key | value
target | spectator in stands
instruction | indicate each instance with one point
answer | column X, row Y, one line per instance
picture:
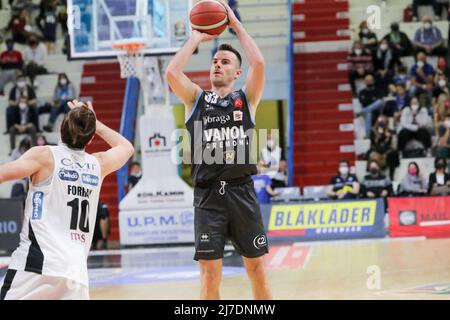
column 64, row 92
column 270, row 157
column 371, row 99
column 381, row 149
column 439, row 181
column 441, row 87
column 18, row 6
column 383, row 80
column 360, row 64
column 21, row 90
column 19, row 27
column 442, row 67
column 413, row 184
column 401, row 100
column 41, row 140
column 422, row 71
column 384, row 57
column 375, row 184
column 24, row 146
column 367, row 37
column 135, row 175
column 279, row 180
column 417, row 3
column 344, row 185
column 102, row 228
column 428, row 39
column 35, row 58
column 402, row 77
column 439, row 7
column 414, row 124
column 399, row 43
column 22, row 123
column 11, row 63
column 47, row 21
column 443, row 143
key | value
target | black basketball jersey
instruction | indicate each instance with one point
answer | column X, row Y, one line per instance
column 221, row 131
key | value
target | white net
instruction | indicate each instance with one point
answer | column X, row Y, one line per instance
column 131, row 60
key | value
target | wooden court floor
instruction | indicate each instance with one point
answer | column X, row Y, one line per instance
column 365, row 269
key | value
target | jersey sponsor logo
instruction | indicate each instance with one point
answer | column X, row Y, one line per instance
column 237, row 115
column 235, row 95
column 223, row 134
column 37, row 202
column 224, row 103
column 216, row 119
column 89, row 179
column 68, row 175
column 205, row 237
column 77, row 165
column 260, row 241
column 211, row 97
column 238, row 103
column 229, row 156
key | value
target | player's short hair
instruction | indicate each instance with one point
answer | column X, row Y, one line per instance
column 228, row 47
column 78, row 127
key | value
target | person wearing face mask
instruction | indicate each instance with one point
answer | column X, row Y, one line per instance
column 415, row 124
column 399, row 43
column 428, row 39
column 367, row 37
column 443, row 144
column 64, row 92
column 413, row 184
column 421, row 71
column 344, row 185
column 35, row 58
column 270, row 157
column 375, row 184
column 384, row 57
column 439, row 181
column 135, row 175
column 11, row 63
column 381, row 149
column 371, row 100
column 22, row 123
column 360, row 63
column 441, row 87
column 19, row 91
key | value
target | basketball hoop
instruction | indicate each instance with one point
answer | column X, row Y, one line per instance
column 131, row 58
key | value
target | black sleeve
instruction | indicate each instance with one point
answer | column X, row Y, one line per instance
column 11, row 94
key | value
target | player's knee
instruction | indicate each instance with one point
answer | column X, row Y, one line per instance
column 256, row 267
column 211, row 274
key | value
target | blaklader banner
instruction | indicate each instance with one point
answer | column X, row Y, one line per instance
column 327, row 220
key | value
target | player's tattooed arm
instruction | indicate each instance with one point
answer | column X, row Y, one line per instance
column 256, row 74
column 181, row 85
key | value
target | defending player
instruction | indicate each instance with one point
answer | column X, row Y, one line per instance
column 61, row 207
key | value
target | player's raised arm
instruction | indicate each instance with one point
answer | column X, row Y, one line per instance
column 121, row 149
column 256, row 74
column 27, row 165
column 181, row 85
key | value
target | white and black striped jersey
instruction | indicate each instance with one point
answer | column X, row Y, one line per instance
column 59, row 218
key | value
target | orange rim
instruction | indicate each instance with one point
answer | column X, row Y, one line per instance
column 131, row 47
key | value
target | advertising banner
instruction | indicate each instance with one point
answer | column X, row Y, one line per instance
column 419, row 216
column 157, row 226
column 11, row 215
column 328, row 220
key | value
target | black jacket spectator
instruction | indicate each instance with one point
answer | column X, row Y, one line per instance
column 399, row 43
column 439, row 181
column 375, row 184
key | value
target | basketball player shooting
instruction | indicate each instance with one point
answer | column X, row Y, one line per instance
column 61, row 207
column 224, row 197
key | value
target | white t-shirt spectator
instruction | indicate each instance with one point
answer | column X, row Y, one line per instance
column 271, row 157
column 38, row 55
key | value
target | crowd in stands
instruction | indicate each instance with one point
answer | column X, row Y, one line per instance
column 405, row 107
column 34, row 28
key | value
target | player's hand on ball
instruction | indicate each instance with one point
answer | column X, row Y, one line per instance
column 232, row 19
column 203, row 37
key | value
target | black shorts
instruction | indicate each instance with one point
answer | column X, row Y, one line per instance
column 233, row 215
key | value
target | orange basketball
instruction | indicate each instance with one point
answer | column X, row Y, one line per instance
column 209, row 16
